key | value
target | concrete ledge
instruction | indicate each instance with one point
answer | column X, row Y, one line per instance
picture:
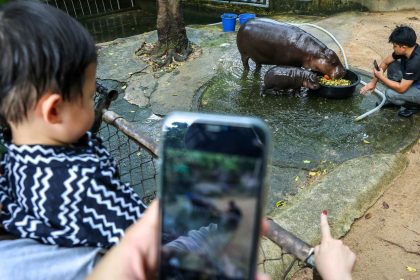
column 347, row 192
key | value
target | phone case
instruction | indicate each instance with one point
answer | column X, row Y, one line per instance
column 375, row 64
column 215, row 124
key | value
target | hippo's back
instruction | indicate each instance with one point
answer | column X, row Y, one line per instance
column 268, row 41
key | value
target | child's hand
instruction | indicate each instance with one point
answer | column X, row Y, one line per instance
column 334, row 260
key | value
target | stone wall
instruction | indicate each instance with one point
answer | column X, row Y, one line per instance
column 331, row 6
column 390, row 5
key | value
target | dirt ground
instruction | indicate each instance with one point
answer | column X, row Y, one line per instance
column 386, row 239
column 370, row 33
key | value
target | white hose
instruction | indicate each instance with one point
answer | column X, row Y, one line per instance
column 361, row 117
column 347, row 67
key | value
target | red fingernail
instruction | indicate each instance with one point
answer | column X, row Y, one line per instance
column 325, row 212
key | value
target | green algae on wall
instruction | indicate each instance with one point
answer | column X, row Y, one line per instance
column 309, row 7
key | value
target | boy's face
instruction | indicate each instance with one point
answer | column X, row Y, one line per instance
column 79, row 114
column 398, row 49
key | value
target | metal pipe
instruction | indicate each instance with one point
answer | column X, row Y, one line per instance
column 290, row 243
column 131, row 131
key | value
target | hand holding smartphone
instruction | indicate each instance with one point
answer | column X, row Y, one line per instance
column 375, row 64
column 213, row 172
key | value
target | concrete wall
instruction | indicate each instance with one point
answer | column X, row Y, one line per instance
column 390, row 5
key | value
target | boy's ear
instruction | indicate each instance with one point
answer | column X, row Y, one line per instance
column 50, row 107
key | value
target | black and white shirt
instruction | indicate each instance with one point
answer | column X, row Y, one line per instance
column 68, row 196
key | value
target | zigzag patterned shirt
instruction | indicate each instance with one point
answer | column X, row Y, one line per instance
column 67, row 196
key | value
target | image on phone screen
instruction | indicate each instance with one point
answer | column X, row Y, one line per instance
column 211, row 199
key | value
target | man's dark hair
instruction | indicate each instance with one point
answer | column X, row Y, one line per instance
column 404, row 36
column 42, row 48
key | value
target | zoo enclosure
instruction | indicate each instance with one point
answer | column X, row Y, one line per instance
column 136, row 155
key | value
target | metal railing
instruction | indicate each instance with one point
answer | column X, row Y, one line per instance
column 80, row 8
column 255, row 3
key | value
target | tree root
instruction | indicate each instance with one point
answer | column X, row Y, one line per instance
column 141, row 50
column 162, row 56
column 168, row 59
column 184, row 54
column 154, row 50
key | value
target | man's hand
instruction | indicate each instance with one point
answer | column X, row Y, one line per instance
column 368, row 87
column 378, row 74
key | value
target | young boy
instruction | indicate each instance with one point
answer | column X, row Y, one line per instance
column 58, row 184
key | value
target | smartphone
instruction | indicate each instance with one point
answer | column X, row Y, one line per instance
column 212, row 188
column 375, row 64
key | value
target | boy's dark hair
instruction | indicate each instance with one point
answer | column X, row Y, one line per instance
column 41, row 48
column 404, row 36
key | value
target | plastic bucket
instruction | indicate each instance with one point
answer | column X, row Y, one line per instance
column 245, row 17
column 229, row 22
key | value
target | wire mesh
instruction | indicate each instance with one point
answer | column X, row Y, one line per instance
column 137, row 165
column 276, row 262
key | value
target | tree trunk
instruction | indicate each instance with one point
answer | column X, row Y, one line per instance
column 172, row 36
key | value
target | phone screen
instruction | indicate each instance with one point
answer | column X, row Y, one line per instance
column 211, row 194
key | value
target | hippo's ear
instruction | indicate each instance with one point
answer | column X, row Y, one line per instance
column 331, row 57
column 314, row 78
column 329, row 52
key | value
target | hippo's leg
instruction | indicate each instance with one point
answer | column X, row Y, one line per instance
column 244, row 75
column 256, row 74
column 257, row 66
column 302, row 92
column 262, row 89
column 245, row 63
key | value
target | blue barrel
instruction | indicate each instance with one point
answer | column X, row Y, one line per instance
column 229, row 22
column 245, row 17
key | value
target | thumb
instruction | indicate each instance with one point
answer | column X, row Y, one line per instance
column 325, row 227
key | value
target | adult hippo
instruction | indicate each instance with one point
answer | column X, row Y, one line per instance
column 267, row 41
column 290, row 77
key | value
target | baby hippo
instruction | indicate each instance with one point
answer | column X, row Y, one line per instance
column 288, row 77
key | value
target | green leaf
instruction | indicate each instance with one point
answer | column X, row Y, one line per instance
column 410, row 269
column 280, row 203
